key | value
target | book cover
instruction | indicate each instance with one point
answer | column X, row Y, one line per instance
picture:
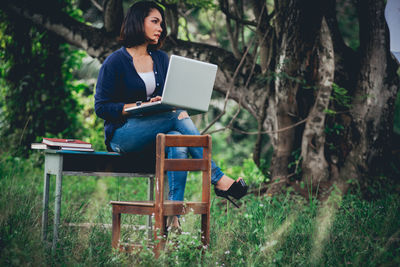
column 77, row 149
column 42, row 146
column 45, row 146
column 66, row 142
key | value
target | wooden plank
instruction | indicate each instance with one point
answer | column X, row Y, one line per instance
column 108, row 226
column 206, row 187
column 186, row 140
column 205, row 228
column 185, row 165
column 159, row 227
column 181, row 208
column 150, row 197
column 159, row 213
column 141, row 210
column 206, row 177
column 116, row 226
column 147, row 203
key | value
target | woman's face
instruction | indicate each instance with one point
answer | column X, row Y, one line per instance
column 152, row 26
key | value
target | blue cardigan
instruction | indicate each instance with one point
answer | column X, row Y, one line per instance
column 118, row 84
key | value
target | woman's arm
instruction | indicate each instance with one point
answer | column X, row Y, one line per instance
column 106, row 92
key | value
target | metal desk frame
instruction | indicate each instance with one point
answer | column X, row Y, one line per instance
column 77, row 163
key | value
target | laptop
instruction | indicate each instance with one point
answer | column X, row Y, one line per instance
column 188, row 85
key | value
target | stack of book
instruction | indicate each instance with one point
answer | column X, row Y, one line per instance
column 63, row 144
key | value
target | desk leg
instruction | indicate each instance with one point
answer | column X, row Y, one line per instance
column 57, row 208
column 150, row 196
column 45, row 212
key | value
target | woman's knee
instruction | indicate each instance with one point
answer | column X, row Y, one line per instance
column 183, row 115
column 184, row 124
column 177, row 152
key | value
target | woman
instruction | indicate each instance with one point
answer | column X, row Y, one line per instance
column 135, row 74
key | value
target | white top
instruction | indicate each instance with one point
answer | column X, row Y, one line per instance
column 149, row 80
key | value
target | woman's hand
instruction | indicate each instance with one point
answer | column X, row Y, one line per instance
column 154, row 99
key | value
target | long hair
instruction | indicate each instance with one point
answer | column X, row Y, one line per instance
column 132, row 29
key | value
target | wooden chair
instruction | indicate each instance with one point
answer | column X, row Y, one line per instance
column 162, row 208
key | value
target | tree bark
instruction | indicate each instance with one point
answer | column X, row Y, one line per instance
column 314, row 164
column 113, row 16
column 296, row 28
column 373, row 101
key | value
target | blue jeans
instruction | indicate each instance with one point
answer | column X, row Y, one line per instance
column 139, row 133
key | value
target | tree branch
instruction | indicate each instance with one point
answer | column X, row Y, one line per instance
column 172, row 18
column 263, row 132
column 97, row 5
column 113, row 16
column 345, row 57
column 232, row 82
column 95, row 41
column 229, row 15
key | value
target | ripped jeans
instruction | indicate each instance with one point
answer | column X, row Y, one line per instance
column 139, row 134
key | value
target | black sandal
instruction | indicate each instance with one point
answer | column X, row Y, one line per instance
column 237, row 190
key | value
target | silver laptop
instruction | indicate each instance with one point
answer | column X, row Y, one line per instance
column 188, row 85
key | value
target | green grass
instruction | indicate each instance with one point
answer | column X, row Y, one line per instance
column 283, row 230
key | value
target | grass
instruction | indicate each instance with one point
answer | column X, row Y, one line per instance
column 282, row 230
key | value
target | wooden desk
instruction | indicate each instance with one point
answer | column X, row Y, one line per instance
column 77, row 163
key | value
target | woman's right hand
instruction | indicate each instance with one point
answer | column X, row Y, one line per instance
column 124, row 113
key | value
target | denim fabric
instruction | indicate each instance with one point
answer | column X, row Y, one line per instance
column 139, row 133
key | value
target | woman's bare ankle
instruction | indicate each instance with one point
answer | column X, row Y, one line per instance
column 224, row 183
column 173, row 221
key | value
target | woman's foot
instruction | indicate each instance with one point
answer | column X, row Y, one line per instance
column 227, row 187
column 173, row 224
column 225, row 182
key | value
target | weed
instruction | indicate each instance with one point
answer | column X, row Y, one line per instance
column 283, row 230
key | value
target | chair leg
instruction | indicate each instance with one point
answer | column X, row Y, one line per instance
column 116, row 227
column 205, row 229
column 160, row 233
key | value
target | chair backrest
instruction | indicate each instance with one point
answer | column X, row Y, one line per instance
column 163, row 164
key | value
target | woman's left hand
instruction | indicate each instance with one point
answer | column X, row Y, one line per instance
column 155, row 99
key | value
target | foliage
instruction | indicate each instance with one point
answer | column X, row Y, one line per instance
column 396, row 125
column 36, row 100
column 71, row 8
column 340, row 97
column 265, row 231
column 348, row 23
column 193, row 3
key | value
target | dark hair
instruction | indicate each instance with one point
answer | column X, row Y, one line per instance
column 132, row 29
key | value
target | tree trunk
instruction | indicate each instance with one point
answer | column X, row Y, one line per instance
column 314, row 164
column 373, row 101
column 113, row 16
column 297, row 29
